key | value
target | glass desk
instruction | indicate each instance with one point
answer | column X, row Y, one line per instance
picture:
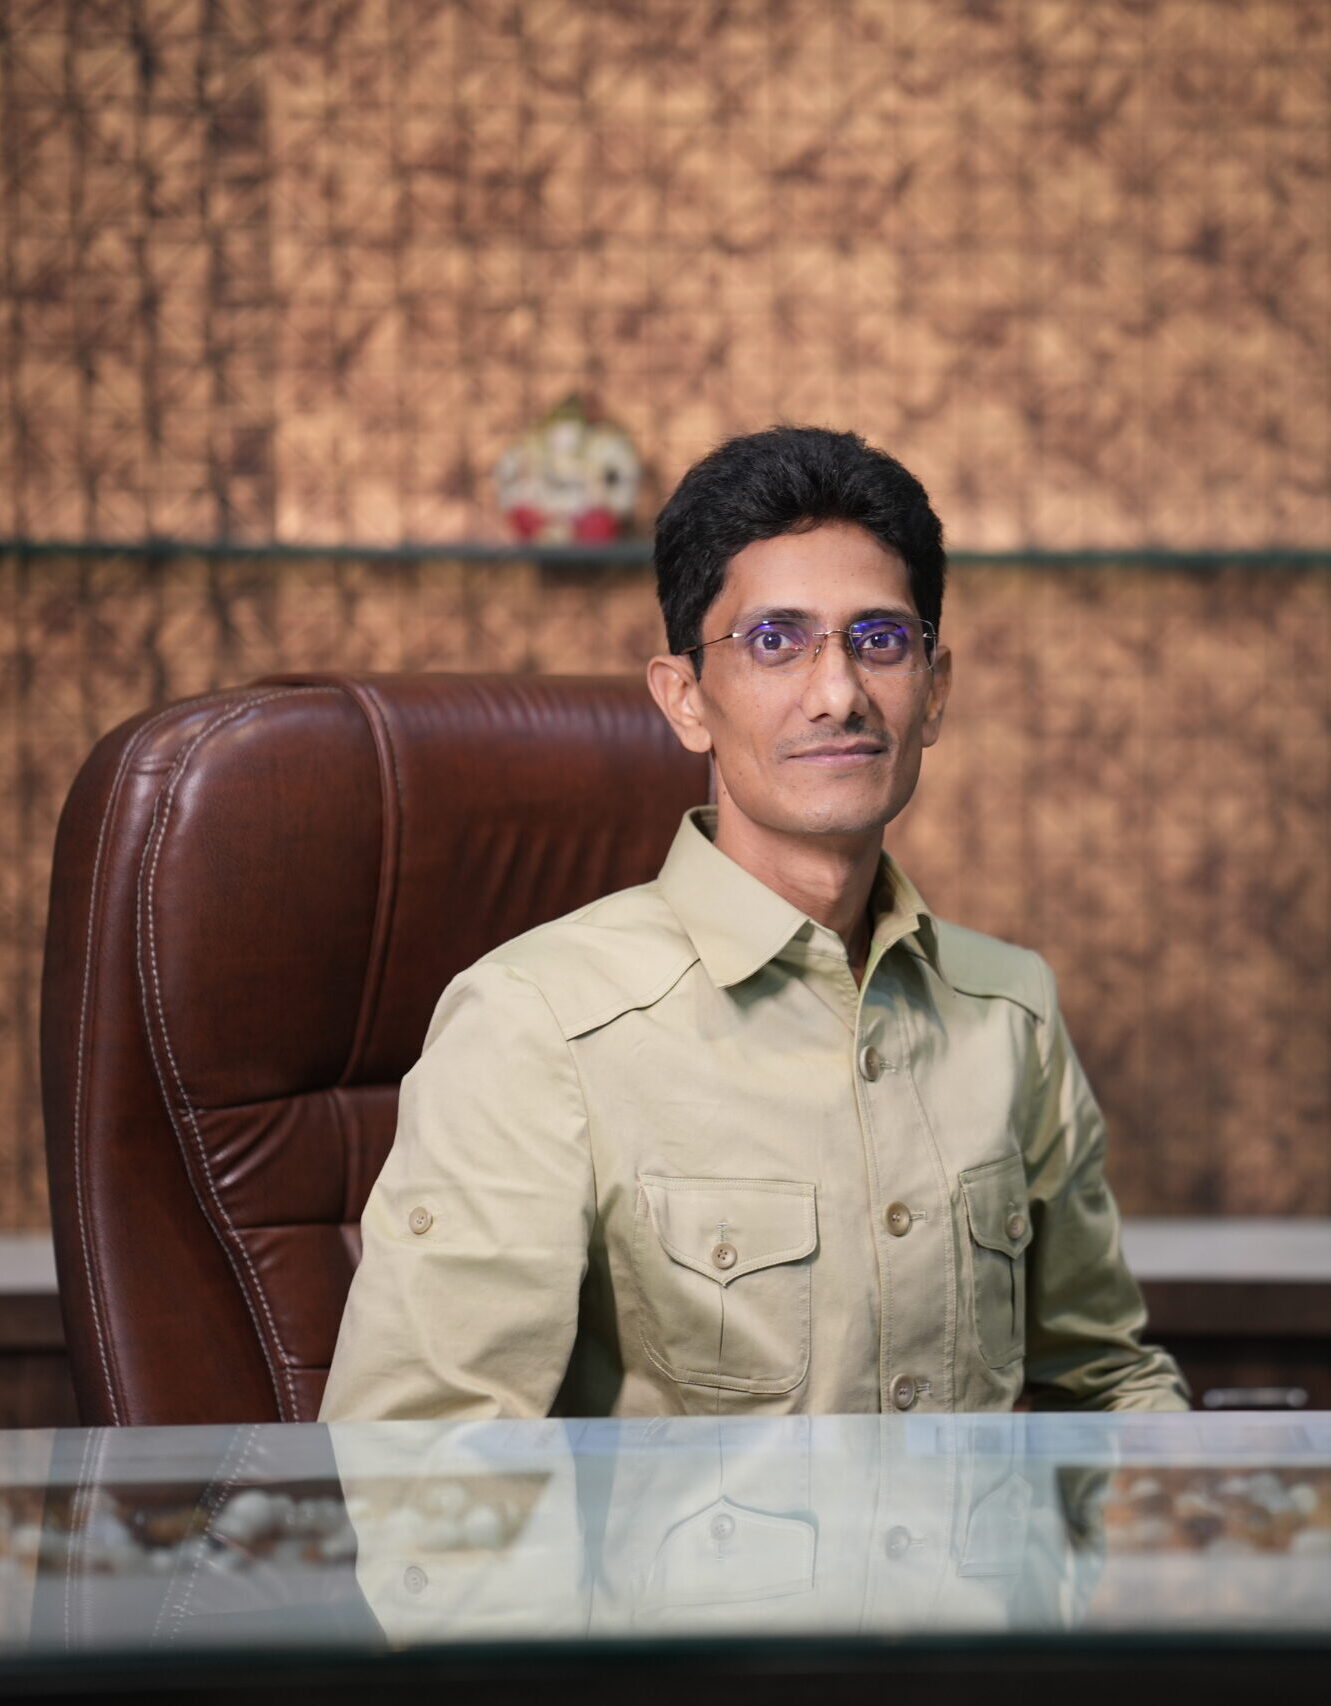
column 798, row 1556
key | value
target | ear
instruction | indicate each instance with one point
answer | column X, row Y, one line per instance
column 674, row 686
column 940, row 685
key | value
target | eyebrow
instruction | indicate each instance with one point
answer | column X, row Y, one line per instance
column 767, row 613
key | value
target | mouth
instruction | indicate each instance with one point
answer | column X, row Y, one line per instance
column 842, row 754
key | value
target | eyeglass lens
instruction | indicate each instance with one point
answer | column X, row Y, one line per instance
column 896, row 643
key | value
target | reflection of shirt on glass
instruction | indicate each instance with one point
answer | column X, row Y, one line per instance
column 664, row 1154
column 799, row 1526
column 790, row 1526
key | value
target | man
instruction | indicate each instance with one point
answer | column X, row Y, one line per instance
column 764, row 1135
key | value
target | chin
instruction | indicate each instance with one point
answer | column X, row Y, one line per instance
column 822, row 807
column 856, row 828
column 841, row 818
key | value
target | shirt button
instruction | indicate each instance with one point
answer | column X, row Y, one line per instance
column 722, row 1526
column 420, row 1220
column 871, row 1063
column 725, row 1256
column 898, row 1219
column 897, row 1542
column 1016, row 1225
column 414, row 1579
column 902, row 1391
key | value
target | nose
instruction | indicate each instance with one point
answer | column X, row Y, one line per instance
column 834, row 685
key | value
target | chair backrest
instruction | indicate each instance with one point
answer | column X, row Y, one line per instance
column 257, row 898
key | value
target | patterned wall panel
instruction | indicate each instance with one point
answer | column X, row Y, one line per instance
column 301, row 270
column 298, row 271
column 1135, row 778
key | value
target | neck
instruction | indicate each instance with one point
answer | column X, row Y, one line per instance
column 829, row 877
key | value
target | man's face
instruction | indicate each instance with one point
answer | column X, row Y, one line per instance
column 832, row 747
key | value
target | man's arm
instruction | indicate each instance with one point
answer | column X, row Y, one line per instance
column 1084, row 1313
column 475, row 1235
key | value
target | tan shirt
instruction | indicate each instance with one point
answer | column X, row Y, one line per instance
column 664, row 1156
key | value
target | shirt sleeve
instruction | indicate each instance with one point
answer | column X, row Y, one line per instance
column 475, row 1235
column 1085, row 1313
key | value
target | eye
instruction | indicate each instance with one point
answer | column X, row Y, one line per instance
column 771, row 643
column 882, row 642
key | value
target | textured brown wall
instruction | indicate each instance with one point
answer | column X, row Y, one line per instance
column 300, row 270
column 1135, row 778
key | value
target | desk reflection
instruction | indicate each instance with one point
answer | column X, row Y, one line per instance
column 689, row 1527
column 413, row 1534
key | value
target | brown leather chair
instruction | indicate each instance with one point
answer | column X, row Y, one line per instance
column 257, row 898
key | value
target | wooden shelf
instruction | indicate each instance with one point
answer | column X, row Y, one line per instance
column 630, row 553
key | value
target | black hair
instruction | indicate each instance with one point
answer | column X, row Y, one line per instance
column 787, row 479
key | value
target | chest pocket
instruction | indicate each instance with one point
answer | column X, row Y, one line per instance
column 1000, row 1226
column 723, row 1276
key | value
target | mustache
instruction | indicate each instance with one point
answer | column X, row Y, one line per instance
column 861, row 741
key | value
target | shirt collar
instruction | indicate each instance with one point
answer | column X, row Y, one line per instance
column 738, row 924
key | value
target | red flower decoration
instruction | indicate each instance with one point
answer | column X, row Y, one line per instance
column 595, row 527
column 526, row 521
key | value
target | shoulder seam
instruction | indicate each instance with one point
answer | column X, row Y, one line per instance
column 1021, row 988
column 626, row 1003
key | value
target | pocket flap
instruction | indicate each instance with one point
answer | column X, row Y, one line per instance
column 751, row 1223
column 997, row 1205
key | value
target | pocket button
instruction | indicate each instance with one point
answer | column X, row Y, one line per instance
column 1016, row 1225
column 725, row 1256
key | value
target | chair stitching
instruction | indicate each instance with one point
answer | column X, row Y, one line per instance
column 171, row 1617
column 371, row 708
column 91, row 1458
column 232, row 1243
column 399, row 802
column 105, row 1353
